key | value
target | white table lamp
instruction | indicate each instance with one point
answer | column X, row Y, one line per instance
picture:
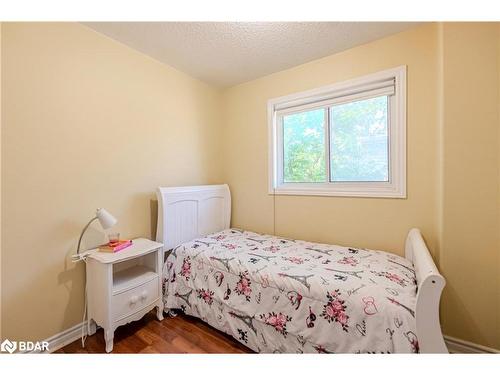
column 105, row 219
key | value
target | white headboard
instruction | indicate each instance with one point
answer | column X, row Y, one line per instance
column 188, row 212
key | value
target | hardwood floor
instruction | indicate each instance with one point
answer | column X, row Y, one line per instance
column 182, row 334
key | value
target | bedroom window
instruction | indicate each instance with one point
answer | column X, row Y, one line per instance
column 348, row 139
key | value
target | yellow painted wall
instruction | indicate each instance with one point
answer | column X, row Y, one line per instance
column 470, row 198
column 86, row 123
column 453, row 164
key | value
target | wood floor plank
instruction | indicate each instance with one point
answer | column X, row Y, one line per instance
column 163, row 346
column 181, row 334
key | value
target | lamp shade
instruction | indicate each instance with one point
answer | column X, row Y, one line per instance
column 105, row 218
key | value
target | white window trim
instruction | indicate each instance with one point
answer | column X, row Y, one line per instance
column 394, row 188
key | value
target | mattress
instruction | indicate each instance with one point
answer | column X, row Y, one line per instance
column 279, row 295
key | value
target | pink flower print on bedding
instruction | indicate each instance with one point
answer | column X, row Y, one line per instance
column 351, row 261
column 206, row 295
column 334, row 310
column 243, row 286
column 186, row 268
column 278, row 321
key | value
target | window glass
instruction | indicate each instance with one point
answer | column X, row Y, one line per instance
column 304, row 150
column 359, row 141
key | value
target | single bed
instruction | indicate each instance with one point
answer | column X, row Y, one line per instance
column 283, row 295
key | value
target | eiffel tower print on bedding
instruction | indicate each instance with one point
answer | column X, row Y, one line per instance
column 276, row 295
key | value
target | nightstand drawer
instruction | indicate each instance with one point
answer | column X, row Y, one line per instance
column 135, row 299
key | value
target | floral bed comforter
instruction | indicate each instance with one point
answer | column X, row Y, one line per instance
column 279, row 295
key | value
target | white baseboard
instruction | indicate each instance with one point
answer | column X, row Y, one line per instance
column 460, row 346
column 64, row 338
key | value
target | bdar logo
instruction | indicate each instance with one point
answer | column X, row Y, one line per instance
column 8, row 346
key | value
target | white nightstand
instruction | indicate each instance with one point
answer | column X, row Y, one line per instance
column 124, row 286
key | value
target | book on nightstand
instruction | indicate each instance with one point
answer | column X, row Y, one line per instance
column 115, row 247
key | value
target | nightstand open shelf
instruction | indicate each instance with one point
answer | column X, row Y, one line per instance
column 132, row 277
column 133, row 272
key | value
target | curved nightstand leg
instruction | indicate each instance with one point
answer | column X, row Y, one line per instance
column 159, row 312
column 108, row 337
column 92, row 327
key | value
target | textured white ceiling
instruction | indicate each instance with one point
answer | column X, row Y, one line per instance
column 228, row 53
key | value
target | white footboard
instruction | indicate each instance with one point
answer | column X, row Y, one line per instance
column 430, row 285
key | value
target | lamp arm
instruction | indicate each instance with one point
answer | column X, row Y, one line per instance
column 83, row 232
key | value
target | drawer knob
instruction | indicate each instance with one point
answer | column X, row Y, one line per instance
column 133, row 300
column 144, row 295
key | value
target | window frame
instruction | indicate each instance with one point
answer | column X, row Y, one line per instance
column 322, row 97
